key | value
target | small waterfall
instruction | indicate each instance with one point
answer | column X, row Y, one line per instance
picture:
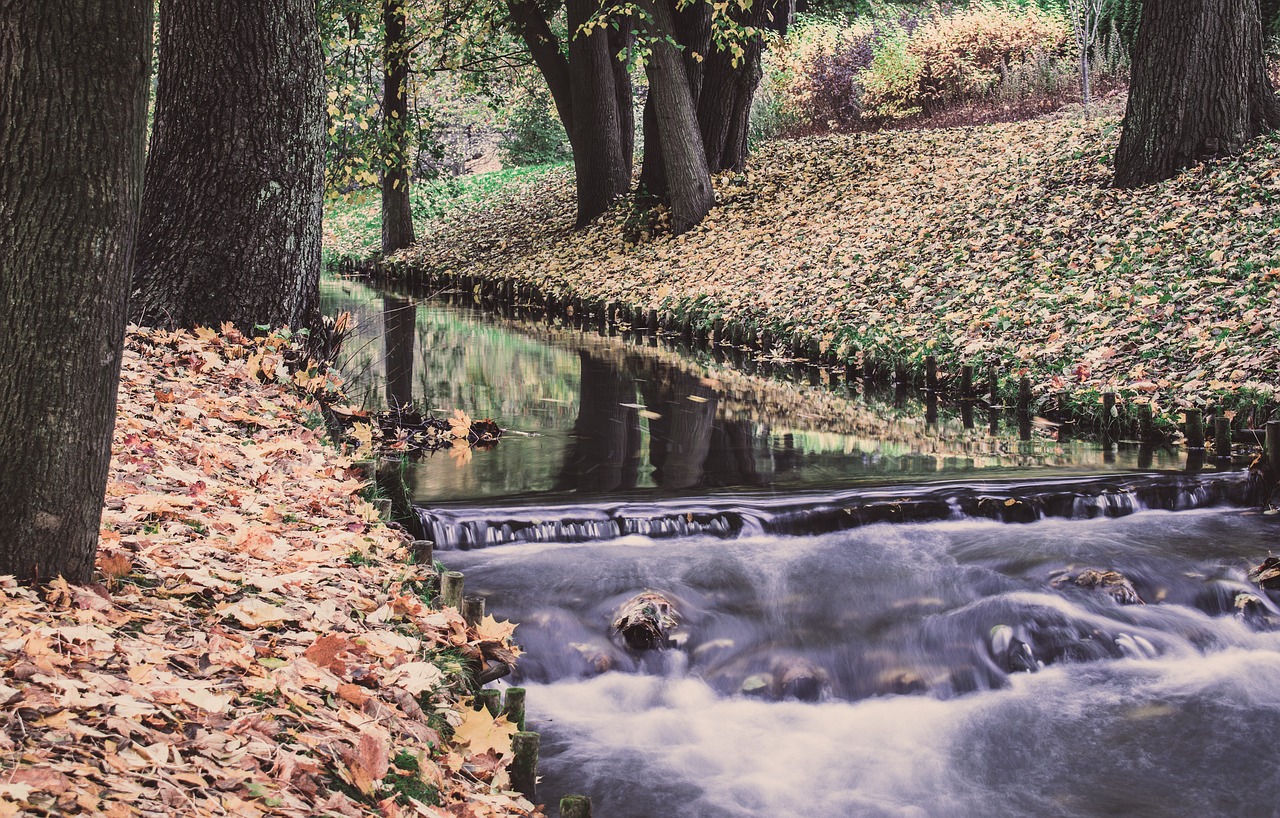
column 807, row 514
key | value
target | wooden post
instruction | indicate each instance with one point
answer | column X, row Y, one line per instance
column 513, row 707
column 451, row 589
column 1024, row 398
column 424, row 552
column 1222, row 436
column 473, row 609
column 1144, row 422
column 490, row 700
column 931, row 373
column 524, row 764
column 1195, row 429
column 383, row 505
column 1273, row 446
column 1108, row 414
column 575, row 806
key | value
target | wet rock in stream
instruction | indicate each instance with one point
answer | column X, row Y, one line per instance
column 646, row 621
column 1113, row 583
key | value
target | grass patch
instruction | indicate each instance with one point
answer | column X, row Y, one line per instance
column 353, row 221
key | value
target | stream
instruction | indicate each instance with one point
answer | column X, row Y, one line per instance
column 878, row 616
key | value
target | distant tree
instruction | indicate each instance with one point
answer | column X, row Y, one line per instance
column 1199, row 87
column 1085, row 17
column 73, row 110
column 397, row 215
column 235, row 174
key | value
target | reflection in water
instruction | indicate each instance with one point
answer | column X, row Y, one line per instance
column 605, row 453
column 596, row 414
column 399, row 321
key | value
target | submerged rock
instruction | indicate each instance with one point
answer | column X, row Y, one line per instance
column 646, row 621
column 1112, row 583
column 799, row 679
column 1266, row 575
column 1011, row 654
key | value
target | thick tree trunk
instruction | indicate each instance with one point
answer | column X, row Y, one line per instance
column 235, row 174
column 73, row 108
column 619, row 41
column 693, row 32
column 724, row 109
column 724, row 106
column 1199, row 87
column 653, row 172
column 397, row 216
column 544, row 47
column 599, row 159
column 689, row 192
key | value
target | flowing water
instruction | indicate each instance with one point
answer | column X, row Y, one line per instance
column 878, row 617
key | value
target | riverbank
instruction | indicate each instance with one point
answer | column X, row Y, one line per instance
column 260, row 643
column 999, row 243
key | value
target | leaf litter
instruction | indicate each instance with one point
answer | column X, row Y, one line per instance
column 1000, row 242
column 259, row 643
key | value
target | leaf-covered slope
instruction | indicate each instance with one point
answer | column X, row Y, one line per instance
column 1000, row 241
column 261, row 646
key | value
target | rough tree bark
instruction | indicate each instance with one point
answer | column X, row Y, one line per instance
column 599, row 159
column 73, row 109
column 724, row 106
column 1199, row 87
column 235, row 174
column 684, row 161
column 693, row 32
column 397, row 216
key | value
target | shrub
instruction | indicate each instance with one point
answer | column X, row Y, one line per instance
column 964, row 56
column 891, row 87
column 835, row 86
column 534, row 136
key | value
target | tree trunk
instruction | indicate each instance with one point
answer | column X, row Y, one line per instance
column 724, row 107
column 544, row 47
column 684, row 161
column 397, row 216
column 231, row 213
column 620, row 41
column 74, row 77
column 653, row 173
column 693, row 32
column 1199, row 88
column 599, row 161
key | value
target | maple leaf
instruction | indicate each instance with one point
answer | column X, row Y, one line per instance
column 460, row 424
column 491, row 630
column 326, row 650
column 416, row 677
column 481, row 733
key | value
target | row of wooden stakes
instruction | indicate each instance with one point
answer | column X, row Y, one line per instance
column 525, row 743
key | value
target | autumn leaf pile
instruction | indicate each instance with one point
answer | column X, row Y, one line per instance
column 1000, row 242
column 259, row 643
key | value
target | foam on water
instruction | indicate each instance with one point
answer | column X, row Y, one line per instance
column 1187, row 735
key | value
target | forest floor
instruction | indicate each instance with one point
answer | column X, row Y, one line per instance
column 997, row 243
column 260, row 643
